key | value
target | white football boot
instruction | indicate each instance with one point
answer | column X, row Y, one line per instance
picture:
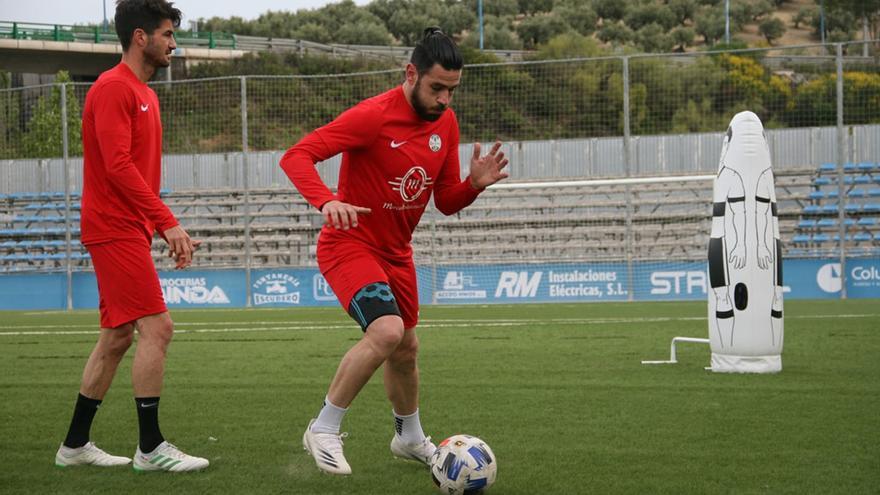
column 88, row 454
column 326, row 448
column 420, row 452
column 167, row 457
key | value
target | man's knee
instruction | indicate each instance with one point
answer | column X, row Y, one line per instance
column 406, row 353
column 116, row 341
column 157, row 329
column 385, row 334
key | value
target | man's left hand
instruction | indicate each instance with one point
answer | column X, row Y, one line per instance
column 489, row 169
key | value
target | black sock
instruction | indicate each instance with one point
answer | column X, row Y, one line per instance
column 148, row 422
column 83, row 414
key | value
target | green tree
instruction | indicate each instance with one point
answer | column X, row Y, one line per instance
column 804, row 16
column 760, row 9
column 610, row 10
column 568, row 45
column 457, row 18
column 644, row 14
column 536, row 30
column 495, row 7
column 582, row 19
column 534, row 6
column 496, row 36
column 311, row 31
column 43, row 138
column 836, row 19
column 408, row 27
column 683, row 9
column 709, row 23
column 772, row 28
column 615, row 33
column 363, row 34
column 653, row 38
column 683, row 37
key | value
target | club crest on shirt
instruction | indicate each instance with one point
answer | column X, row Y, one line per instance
column 413, row 183
column 434, row 142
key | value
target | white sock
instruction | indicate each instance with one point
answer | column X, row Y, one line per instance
column 329, row 419
column 409, row 428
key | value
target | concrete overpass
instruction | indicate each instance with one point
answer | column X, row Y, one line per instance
column 89, row 59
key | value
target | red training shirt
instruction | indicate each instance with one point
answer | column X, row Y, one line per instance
column 392, row 161
column 122, row 160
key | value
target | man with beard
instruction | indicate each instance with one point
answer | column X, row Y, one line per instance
column 121, row 209
column 397, row 148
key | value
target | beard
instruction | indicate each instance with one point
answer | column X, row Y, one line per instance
column 431, row 114
column 155, row 56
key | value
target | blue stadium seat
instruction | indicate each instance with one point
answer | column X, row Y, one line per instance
column 862, row 236
column 817, row 194
column 852, row 208
column 56, row 243
column 857, row 193
column 874, row 192
column 828, row 167
column 867, row 221
column 821, row 238
column 15, row 257
column 806, row 224
column 812, row 209
column 832, row 208
column 822, row 181
column 866, row 166
column 800, row 239
column 8, row 244
column 827, row 222
column 872, row 208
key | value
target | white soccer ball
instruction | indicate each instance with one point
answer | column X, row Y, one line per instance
column 463, row 465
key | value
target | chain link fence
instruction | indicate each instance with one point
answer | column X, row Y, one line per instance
column 606, row 117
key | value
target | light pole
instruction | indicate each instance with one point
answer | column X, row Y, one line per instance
column 480, row 16
column 727, row 21
column 106, row 25
column 822, row 20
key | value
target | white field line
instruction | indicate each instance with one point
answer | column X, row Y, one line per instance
column 263, row 326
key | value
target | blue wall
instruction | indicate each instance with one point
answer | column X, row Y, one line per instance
column 456, row 284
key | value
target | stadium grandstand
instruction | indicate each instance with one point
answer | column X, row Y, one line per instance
column 579, row 194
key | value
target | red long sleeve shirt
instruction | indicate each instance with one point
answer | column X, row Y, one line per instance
column 392, row 161
column 122, row 160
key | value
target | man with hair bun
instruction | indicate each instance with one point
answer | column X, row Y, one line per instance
column 397, row 149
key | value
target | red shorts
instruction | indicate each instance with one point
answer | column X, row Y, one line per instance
column 349, row 266
column 128, row 284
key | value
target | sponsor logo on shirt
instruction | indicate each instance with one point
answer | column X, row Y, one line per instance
column 435, row 143
column 395, row 144
column 413, row 183
column 145, row 107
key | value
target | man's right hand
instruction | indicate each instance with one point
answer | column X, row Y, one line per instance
column 180, row 246
column 341, row 215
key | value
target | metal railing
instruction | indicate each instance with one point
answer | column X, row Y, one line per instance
column 96, row 34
